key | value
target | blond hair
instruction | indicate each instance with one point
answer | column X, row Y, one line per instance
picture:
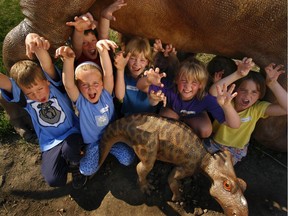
column 138, row 45
column 26, row 72
column 193, row 69
column 85, row 66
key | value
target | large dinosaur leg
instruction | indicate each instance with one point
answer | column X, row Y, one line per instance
column 147, row 155
column 174, row 177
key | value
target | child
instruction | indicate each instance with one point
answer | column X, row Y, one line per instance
column 187, row 99
column 250, row 88
column 138, row 59
column 165, row 59
column 220, row 67
column 92, row 95
column 39, row 90
column 84, row 38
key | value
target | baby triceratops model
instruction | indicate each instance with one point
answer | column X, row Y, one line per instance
column 157, row 138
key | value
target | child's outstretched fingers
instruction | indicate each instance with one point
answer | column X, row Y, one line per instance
column 64, row 52
column 273, row 71
column 108, row 12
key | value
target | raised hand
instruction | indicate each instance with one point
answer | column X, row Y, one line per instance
column 244, row 66
column 107, row 13
column 120, row 61
column 65, row 52
column 33, row 42
column 224, row 95
column 154, row 77
column 157, row 46
column 156, row 97
column 106, row 44
column 169, row 49
column 82, row 23
column 273, row 71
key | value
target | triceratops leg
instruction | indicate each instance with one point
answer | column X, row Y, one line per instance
column 177, row 174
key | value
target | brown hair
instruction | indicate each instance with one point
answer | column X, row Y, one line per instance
column 26, row 72
column 257, row 78
column 193, row 69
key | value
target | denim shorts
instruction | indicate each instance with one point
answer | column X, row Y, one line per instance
column 237, row 154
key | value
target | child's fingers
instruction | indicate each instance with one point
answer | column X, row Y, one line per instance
column 233, row 95
column 231, row 89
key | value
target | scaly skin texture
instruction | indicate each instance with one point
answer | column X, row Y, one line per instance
column 232, row 28
column 157, row 138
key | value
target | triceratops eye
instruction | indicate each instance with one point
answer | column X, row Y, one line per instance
column 227, row 185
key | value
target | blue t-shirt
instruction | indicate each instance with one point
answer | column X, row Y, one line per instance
column 135, row 101
column 53, row 120
column 94, row 118
column 192, row 107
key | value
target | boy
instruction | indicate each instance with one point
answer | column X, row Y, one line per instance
column 92, row 95
column 38, row 90
column 84, row 36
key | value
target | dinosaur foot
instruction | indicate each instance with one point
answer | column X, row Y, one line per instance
column 176, row 197
column 147, row 188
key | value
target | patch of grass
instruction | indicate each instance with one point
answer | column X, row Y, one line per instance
column 6, row 128
column 11, row 15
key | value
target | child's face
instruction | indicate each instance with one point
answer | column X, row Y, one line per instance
column 89, row 46
column 90, row 84
column 247, row 95
column 137, row 64
column 39, row 91
column 187, row 89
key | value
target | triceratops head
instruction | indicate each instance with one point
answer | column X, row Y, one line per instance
column 226, row 188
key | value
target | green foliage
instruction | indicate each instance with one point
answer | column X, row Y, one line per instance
column 6, row 128
column 10, row 17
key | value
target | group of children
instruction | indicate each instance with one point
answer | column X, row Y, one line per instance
column 186, row 92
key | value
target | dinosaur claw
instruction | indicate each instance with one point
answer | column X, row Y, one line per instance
column 147, row 188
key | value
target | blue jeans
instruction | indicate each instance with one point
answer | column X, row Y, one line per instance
column 89, row 163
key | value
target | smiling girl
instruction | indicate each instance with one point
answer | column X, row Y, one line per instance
column 187, row 99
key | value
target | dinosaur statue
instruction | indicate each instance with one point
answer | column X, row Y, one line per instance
column 156, row 138
column 232, row 28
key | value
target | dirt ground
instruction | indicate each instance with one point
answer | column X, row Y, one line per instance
column 114, row 189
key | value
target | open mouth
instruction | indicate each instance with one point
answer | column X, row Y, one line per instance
column 92, row 52
column 245, row 102
column 92, row 96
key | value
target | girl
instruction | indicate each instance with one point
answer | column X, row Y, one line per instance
column 250, row 88
column 187, row 100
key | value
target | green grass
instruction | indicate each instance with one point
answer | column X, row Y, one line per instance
column 10, row 17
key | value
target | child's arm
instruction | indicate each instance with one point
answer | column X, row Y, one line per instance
column 106, row 16
column 156, row 97
column 82, row 23
column 243, row 68
column 68, row 56
column 40, row 46
column 224, row 98
column 152, row 77
column 5, row 83
column 273, row 71
column 103, row 46
column 120, row 63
